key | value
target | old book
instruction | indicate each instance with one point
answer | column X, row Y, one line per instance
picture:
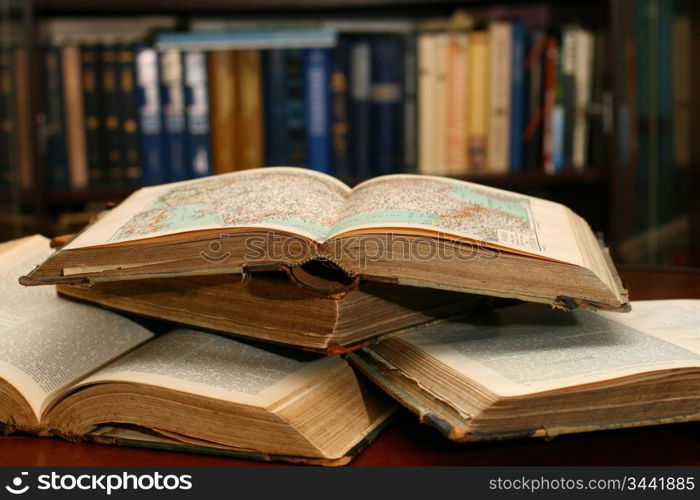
column 404, row 229
column 456, row 96
column 84, row 373
column 75, row 117
column 222, row 95
column 478, row 100
column 305, row 318
column 23, row 117
column 427, row 101
column 250, row 109
column 528, row 371
column 500, row 56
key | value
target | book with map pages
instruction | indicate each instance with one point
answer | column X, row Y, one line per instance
column 527, row 371
column 304, row 318
column 404, row 229
column 84, row 373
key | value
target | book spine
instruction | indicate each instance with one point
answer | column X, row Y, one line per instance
column 222, row 78
column 427, row 139
column 111, row 118
column 457, row 163
column 500, row 65
column 583, row 82
column 276, row 91
column 410, row 105
column 550, row 82
column 567, row 93
column 600, row 108
column 154, row 161
column 317, row 76
column 559, row 113
column 517, row 98
column 131, row 158
column 534, row 118
column 340, row 126
column 197, row 105
column 250, row 108
column 296, row 109
column 91, row 86
column 75, row 117
column 387, row 76
column 361, row 119
column 173, row 104
column 439, row 166
column 478, row 100
column 23, row 119
column 56, row 153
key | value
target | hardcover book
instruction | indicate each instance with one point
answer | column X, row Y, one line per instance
column 528, row 371
column 403, row 229
column 83, row 373
column 332, row 323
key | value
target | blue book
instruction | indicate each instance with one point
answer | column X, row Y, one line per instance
column 317, row 75
column 386, row 108
column 197, row 106
column 296, row 110
column 276, row 85
column 174, row 118
column 360, row 108
column 56, row 152
column 154, row 160
column 517, row 98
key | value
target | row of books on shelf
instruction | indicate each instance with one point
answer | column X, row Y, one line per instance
column 123, row 108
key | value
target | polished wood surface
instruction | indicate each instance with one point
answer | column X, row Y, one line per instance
column 406, row 442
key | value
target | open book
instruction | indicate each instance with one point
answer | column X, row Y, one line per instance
column 82, row 372
column 526, row 371
column 407, row 229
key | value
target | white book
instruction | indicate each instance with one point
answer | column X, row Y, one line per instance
column 500, row 57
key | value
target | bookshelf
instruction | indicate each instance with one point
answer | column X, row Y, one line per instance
column 600, row 192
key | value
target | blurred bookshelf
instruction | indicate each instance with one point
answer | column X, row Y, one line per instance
column 626, row 178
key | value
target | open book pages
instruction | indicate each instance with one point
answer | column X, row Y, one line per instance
column 530, row 348
column 408, row 229
column 583, row 370
column 319, row 207
column 68, row 368
column 49, row 343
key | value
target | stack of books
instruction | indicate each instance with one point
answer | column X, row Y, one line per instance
column 298, row 311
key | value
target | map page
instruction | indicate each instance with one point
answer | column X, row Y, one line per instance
column 289, row 199
column 461, row 209
column 319, row 207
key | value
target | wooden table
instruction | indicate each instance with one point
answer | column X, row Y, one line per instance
column 406, row 442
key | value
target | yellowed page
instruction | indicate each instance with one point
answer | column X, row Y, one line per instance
column 48, row 343
column 289, row 199
column 531, row 348
column 461, row 210
column 217, row 367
